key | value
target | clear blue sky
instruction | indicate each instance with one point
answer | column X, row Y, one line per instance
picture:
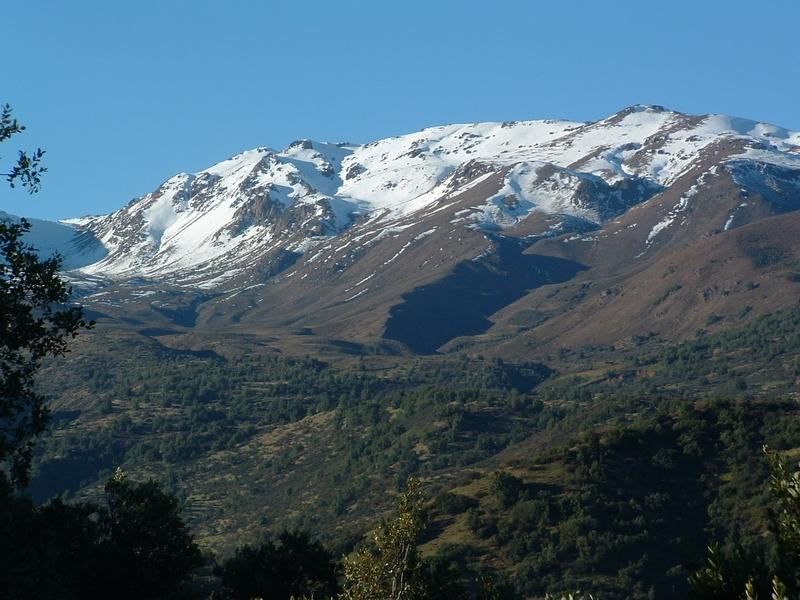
column 124, row 94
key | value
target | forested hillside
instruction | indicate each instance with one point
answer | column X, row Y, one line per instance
column 610, row 471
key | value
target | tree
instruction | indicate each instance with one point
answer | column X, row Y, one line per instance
column 49, row 551
column 784, row 483
column 28, row 169
column 291, row 566
column 34, row 319
column 147, row 549
column 135, row 547
column 736, row 575
column 390, row 568
column 506, row 488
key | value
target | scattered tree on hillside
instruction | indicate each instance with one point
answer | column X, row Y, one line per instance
column 506, row 488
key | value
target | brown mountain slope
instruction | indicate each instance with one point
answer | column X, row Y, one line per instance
column 724, row 279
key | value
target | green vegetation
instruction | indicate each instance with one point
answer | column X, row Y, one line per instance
column 614, row 482
column 389, row 565
column 355, row 429
column 634, row 506
column 625, row 511
column 743, row 569
column 391, row 569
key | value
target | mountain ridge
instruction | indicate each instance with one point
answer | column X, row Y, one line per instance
column 340, row 239
column 287, row 180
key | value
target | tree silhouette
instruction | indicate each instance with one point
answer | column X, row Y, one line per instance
column 291, row 566
column 147, row 550
column 34, row 321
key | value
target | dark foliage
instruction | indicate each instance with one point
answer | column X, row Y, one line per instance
column 28, row 168
column 136, row 547
column 292, row 565
column 35, row 323
column 147, row 551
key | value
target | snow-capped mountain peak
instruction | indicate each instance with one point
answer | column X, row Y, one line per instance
column 212, row 225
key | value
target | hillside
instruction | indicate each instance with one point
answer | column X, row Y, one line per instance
column 255, row 442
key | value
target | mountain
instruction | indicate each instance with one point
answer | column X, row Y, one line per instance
column 603, row 315
column 78, row 248
column 525, row 234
